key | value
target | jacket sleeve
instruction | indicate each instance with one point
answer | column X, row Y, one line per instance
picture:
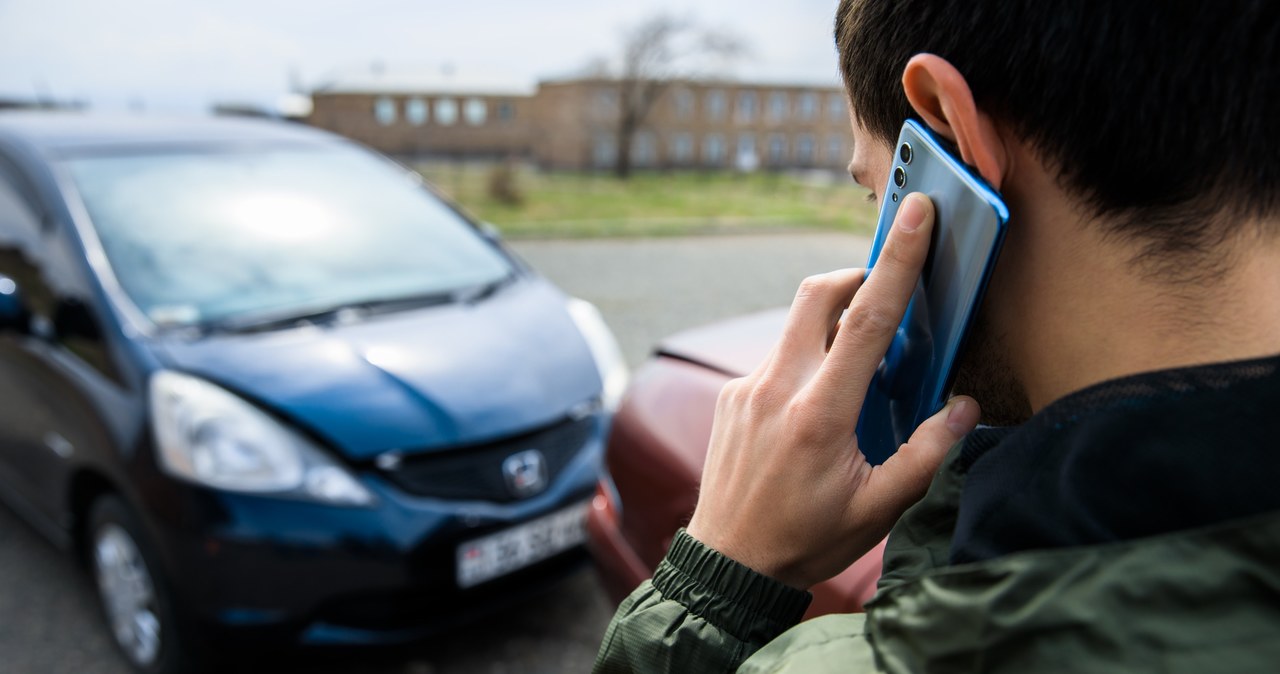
column 832, row 643
column 701, row 612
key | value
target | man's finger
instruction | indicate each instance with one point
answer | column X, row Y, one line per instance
column 814, row 312
column 875, row 312
column 902, row 480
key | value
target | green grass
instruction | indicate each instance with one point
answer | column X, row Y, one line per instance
column 656, row 203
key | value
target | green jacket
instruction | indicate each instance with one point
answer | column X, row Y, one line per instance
column 1206, row 600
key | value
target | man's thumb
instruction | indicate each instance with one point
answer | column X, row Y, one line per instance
column 904, row 478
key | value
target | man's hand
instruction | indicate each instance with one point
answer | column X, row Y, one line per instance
column 785, row 489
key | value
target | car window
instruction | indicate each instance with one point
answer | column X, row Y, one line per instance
column 19, row 218
column 45, row 267
column 21, row 255
column 205, row 236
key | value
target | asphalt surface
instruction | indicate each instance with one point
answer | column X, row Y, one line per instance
column 650, row 288
column 646, row 289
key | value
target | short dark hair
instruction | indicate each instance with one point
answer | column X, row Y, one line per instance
column 1163, row 115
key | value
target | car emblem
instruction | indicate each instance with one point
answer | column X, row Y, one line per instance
column 388, row 460
column 526, row 473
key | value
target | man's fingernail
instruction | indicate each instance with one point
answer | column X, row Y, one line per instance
column 912, row 213
column 958, row 419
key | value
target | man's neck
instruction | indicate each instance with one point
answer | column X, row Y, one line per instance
column 1123, row 324
column 1085, row 313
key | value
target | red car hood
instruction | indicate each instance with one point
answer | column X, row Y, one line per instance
column 734, row 347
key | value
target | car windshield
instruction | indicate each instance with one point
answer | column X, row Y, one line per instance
column 200, row 237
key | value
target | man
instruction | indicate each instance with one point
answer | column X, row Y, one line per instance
column 1132, row 520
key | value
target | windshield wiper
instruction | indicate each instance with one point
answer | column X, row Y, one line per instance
column 276, row 319
column 342, row 312
column 484, row 291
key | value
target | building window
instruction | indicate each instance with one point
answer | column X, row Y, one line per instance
column 682, row 148
column 836, row 150
column 746, row 106
column 606, row 102
column 837, row 108
column 713, row 149
column 716, row 104
column 777, row 149
column 446, row 112
column 682, row 100
column 415, row 110
column 476, row 111
column 384, row 110
column 746, row 159
column 779, row 101
column 808, row 106
column 804, row 150
column 506, row 111
column 604, row 151
column 644, row 149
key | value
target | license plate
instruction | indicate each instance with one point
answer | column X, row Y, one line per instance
column 498, row 554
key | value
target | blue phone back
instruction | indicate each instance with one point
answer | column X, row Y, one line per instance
column 917, row 373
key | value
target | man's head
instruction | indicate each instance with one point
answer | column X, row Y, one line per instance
column 1154, row 113
column 1158, row 123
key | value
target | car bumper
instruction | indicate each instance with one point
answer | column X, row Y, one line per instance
column 616, row 561
column 252, row 566
column 654, row 460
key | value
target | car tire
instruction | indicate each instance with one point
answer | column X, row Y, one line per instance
column 135, row 597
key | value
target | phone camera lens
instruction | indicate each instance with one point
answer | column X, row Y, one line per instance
column 904, row 153
column 900, row 177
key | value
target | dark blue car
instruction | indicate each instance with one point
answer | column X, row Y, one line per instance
column 273, row 388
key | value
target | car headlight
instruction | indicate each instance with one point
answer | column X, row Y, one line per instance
column 210, row 436
column 604, row 349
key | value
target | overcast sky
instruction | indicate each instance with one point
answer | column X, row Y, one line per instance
column 183, row 55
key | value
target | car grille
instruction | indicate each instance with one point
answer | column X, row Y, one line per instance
column 476, row 472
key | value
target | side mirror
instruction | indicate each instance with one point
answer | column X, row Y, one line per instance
column 14, row 314
column 73, row 318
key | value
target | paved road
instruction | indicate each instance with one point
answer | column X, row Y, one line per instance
column 650, row 288
column 49, row 622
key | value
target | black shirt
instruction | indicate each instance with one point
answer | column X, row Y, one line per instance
column 1139, row 456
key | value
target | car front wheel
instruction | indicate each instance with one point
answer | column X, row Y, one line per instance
column 134, row 598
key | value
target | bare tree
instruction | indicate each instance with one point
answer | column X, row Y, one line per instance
column 655, row 53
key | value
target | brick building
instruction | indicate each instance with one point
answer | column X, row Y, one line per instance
column 415, row 114
column 571, row 124
column 696, row 125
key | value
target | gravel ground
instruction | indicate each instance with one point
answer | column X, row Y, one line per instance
column 646, row 289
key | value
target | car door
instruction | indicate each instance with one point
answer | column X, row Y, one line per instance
column 57, row 376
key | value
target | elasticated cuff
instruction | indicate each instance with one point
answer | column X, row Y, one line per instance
column 752, row 607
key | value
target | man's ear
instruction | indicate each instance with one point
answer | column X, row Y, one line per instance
column 941, row 96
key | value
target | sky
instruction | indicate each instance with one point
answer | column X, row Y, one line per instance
column 184, row 55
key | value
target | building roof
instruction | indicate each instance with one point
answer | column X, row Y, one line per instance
column 379, row 79
column 715, row 83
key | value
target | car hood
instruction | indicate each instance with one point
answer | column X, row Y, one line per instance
column 431, row 378
column 734, row 347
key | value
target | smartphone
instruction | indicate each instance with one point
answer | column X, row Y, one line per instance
column 916, row 375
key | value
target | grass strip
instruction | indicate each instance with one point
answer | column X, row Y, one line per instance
column 674, row 203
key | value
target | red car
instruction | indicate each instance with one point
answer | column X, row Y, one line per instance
column 657, row 448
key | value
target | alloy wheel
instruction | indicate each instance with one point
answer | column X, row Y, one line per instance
column 128, row 593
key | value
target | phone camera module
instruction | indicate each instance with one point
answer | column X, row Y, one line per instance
column 904, row 153
column 900, row 177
